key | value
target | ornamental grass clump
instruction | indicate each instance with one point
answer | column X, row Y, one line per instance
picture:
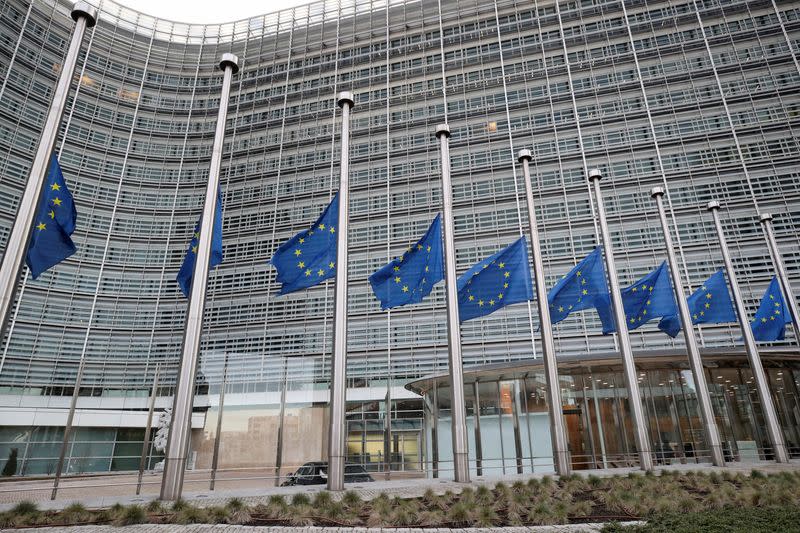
column 218, row 514
column 75, row 513
column 130, row 515
column 191, row 515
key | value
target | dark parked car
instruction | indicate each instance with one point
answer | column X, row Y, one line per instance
column 316, row 473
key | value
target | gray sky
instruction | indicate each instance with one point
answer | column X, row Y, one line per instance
column 208, row 11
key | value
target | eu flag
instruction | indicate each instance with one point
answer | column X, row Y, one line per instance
column 772, row 316
column 409, row 278
column 186, row 272
column 650, row 297
column 584, row 287
column 710, row 304
column 499, row 280
column 51, row 240
column 309, row 257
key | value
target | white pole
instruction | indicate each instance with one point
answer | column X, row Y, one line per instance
column 458, row 408
column 760, row 378
column 701, row 386
column 628, row 365
column 337, row 430
column 558, row 435
column 180, row 431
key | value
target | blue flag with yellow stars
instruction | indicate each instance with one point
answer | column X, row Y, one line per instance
column 309, row 257
column 650, row 297
column 409, row 278
column 186, row 272
column 584, row 287
column 772, row 316
column 51, row 240
column 499, row 280
column 710, row 304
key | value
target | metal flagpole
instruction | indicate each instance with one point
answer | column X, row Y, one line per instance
column 217, row 437
column 84, row 16
column 558, row 435
column 783, row 278
column 68, row 428
column 146, row 443
column 458, row 409
column 281, row 417
column 629, row 366
column 695, row 361
column 180, row 430
column 337, row 430
column 768, row 407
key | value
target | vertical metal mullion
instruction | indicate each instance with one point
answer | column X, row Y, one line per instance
column 659, row 160
column 16, row 48
column 387, row 446
column 512, row 159
column 723, row 97
column 82, row 360
column 160, row 290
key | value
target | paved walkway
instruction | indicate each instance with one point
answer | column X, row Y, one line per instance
column 199, row 528
column 106, row 490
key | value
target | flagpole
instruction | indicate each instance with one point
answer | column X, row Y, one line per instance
column 777, row 261
column 146, row 444
column 628, row 364
column 215, row 457
column 337, row 429
column 458, row 408
column 180, row 431
column 695, row 361
column 84, row 16
column 68, row 427
column 760, row 378
column 558, row 436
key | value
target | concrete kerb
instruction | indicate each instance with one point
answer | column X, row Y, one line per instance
column 224, row 528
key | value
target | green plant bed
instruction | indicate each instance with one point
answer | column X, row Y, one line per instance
column 663, row 501
column 784, row 519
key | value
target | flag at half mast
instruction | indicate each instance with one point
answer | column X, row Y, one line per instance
column 499, row 280
column 309, row 257
column 409, row 278
column 51, row 238
column 186, row 273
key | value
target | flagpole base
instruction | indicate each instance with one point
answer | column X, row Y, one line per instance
column 781, row 455
column 563, row 464
column 172, row 480
column 645, row 461
column 461, row 466
column 717, row 455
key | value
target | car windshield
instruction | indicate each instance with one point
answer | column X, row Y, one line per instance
column 353, row 469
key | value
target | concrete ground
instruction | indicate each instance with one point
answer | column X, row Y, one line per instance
column 106, row 490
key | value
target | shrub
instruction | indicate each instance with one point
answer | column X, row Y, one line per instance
column 300, row 499
column 75, row 513
column 192, row 515
column 154, row 507
column 25, row 507
column 133, row 514
column 179, row 505
column 352, row 499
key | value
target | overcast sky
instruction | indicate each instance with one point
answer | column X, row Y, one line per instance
column 208, row 11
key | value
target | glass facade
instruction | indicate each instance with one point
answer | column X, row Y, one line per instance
column 700, row 96
column 508, row 416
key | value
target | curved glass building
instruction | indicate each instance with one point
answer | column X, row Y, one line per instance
column 700, row 96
